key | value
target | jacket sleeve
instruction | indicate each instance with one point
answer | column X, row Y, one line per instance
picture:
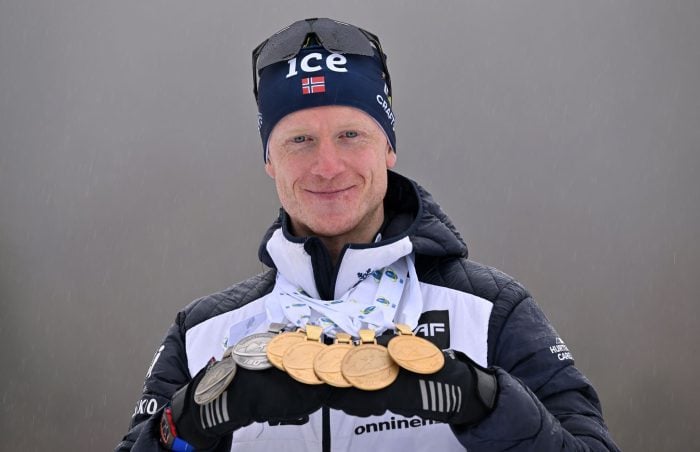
column 167, row 373
column 544, row 402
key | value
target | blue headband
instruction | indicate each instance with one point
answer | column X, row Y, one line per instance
column 315, row 78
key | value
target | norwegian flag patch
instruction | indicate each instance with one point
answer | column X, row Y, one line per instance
column 313, row 85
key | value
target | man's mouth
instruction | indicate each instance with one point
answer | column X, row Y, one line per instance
column 330, row 192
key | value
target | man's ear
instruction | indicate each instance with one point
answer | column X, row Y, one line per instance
column 390, row 157
column 269, row 168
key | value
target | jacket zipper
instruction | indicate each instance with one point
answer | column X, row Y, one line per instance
column 325, row 429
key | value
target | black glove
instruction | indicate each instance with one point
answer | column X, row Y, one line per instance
column 462, row 393
column 253, row 396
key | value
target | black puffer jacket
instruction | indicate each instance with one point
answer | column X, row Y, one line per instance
column 544, row 403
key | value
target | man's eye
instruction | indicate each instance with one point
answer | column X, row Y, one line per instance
column 350, row 134
column 299, row 139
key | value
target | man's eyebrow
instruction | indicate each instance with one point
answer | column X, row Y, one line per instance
column 299, row 130
column 353, row 125
column 302, row 130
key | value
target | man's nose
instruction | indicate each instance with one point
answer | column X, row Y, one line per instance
column 329, row 161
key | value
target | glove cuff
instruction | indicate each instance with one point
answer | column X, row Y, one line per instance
column 486, row 386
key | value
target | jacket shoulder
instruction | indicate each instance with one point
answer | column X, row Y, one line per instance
column 471, row 277
column 228, row 299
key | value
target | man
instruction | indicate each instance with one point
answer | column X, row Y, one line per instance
column 358, row 250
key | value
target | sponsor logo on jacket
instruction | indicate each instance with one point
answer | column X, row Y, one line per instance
column 393, row 424
column 435, row 327
column 561, row 350
column 145, row 406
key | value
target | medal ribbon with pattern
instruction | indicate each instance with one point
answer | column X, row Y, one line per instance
column 371, row 303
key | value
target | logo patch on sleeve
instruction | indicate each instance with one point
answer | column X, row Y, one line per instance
column 155, row 359
column 435, row 326
column 561, row 350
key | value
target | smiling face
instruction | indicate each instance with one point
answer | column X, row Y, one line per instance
column 330, row 169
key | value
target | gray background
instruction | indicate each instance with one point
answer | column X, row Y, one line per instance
column 562, row 138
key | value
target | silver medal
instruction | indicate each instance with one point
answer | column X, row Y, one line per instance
column 251, row 351
column 215, row 381
column 253, row 345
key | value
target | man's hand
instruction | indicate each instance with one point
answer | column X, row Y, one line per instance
column 462, row 393
column 253, row 396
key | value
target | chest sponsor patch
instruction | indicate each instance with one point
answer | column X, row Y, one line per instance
column 393, row 423
column 435, row 327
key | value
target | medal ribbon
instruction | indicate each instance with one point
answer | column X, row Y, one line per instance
column 371, row 303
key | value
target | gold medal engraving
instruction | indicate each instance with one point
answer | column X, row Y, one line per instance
column 369, row 366
column 415, row 353
column 327, row 361
column 298, row 360
column 279, row 345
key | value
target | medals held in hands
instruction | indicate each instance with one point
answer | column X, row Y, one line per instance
column 302, row 355
column 328, row 360
column 298, row 360
column 369, row 366
column 415, row 353
column 249, row 353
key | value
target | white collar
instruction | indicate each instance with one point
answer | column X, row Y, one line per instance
column 292, row 260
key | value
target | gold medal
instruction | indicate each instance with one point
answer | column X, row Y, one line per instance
column 298, row 360
column 327, row 361
column 369, row 366
column 415, row 353
column 279, row 345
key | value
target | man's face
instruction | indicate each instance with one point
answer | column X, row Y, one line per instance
column 329, row 165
